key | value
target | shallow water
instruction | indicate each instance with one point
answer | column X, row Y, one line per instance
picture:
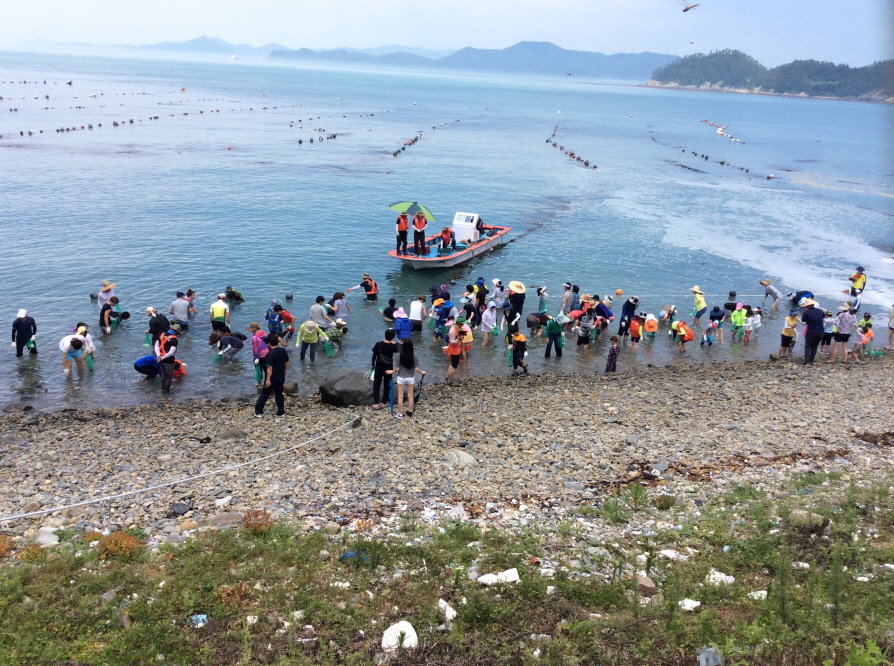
column 218, row 191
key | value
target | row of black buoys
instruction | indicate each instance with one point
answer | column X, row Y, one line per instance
column 572, row 155
column 409, row 142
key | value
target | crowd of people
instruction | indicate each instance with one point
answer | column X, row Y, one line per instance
column 486, row 311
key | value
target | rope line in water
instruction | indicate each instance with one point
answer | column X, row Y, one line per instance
column 187, row 479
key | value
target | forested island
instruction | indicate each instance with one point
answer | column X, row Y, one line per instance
column 732, row 70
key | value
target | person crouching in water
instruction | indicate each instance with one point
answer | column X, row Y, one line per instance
column 519, row 349
column 229, row 345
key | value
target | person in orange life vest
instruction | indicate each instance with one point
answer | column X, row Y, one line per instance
column 402, row 227
column 447, row 239
column 369, row 286
column 684, row 333
column 165, row 349
column 420, row 224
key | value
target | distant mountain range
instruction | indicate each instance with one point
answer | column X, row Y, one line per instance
column 523, row 58
column 542, row 58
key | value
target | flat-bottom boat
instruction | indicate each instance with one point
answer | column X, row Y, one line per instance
column 470, row 238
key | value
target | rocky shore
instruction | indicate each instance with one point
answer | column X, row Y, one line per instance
column 510, row 452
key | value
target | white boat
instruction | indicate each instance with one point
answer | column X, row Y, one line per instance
column 473, row 238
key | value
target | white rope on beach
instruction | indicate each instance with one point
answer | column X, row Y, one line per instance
column 107, row 498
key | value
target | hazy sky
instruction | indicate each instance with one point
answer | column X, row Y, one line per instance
column 855, row 32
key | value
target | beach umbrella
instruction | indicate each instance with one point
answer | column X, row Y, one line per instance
column 411, row 208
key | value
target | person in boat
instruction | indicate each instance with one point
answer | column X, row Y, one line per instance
column 402, row 227
column 369, row 286
column 479, row 227
column 447, row 239
column 420, row 224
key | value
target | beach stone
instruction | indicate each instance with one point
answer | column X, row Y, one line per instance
column 807, row 522
column 109, row 595
column 224, row 521
column 576, row 486
column 331, row 527
column 290, row 388
column 46, row 536
column 345, row 388
column 458, row 457
column 229, row 434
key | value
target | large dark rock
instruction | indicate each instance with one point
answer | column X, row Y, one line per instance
column 344, row 388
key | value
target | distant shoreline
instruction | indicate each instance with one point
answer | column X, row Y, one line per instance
column 757, row 91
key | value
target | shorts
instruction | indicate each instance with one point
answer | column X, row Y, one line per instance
column 74, row 354
column 827, row 339
column 634, row 338
column 405, row 381
column 701, row 313
column 842, row 337
column 417, row 324
column 786, row 341
column 219, row 325
column 454, row 360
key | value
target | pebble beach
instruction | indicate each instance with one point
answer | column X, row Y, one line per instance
column 512, row 453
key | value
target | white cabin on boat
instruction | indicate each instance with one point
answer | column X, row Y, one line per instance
column 465, row 228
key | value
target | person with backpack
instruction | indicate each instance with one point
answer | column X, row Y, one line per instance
column 382, row 363
column 275, row 365
column 403, row 327
column 273, row 317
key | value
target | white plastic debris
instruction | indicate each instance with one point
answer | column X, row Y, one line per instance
column 508, row 576
column 399, row 635
column 550, row 590
column 672, row 554
column 689, row 604
column 800, row 565
column 718, row 578
column 251, row 619
column 342, row 585
column 447, row 610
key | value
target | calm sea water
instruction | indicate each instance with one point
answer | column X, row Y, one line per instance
column 219, row 191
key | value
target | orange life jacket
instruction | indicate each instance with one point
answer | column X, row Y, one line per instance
column 373, row 289
column 634, row 328
column 402, row 223
column 419, row 222
column 163, row 341
column 685, row 333
column 445, row 236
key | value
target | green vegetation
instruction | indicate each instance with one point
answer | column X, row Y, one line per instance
column 735, row 69
column 272, row 596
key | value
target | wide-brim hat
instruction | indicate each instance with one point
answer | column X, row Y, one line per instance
column 367, row 275
column 438, row 301
column 696, row 289
column 341, row 322
column 399, row 313
column 177, row 328
column 585, row 298
column 496, row 282
column 845, row 307
column 107, row 286
column 150, row 310
column 807, row 302
column 254, row 326
column 519, row 337
column 517, row 287
column 765, row 282
column 310, row 326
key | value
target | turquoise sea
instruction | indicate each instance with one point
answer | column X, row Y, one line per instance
column 218, row 190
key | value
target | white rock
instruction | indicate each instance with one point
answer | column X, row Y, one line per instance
column 398, row 635
column 550, row 590
column 223, row 501
column 862, row 579
column 447, row 610
column 508, row 576
column 547, row 572
column 46, row 536
column 800, row 565
column 488, row 579
column 689, row 604
column 342, row 585
column 718, row 578
column 758, row 595
column 889, row 566
column 459, row 457
column 251, row 619
column 671, row 554
column 298, row 615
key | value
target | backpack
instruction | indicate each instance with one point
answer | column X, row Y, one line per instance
column 403, row 327
column 274, row 321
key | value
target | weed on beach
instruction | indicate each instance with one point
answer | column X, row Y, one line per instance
column 805, row 578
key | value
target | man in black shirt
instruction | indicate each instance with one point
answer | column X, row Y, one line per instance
column 158, row 323
column 23, row 331
column 275, row 364
column 813, row 317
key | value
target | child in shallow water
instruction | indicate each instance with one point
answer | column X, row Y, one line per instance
column 611, row 363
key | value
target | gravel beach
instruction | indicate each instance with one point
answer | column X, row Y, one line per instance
column 513, row 452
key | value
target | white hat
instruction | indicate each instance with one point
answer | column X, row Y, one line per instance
column 23, row 313
column 340, row 321
column 221, row 295
column 491, row 305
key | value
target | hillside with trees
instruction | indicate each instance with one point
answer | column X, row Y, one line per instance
column 736, row 70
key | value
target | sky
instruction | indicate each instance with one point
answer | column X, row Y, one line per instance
column 853, row 32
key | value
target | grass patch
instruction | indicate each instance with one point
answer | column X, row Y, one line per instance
column 75, row 604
